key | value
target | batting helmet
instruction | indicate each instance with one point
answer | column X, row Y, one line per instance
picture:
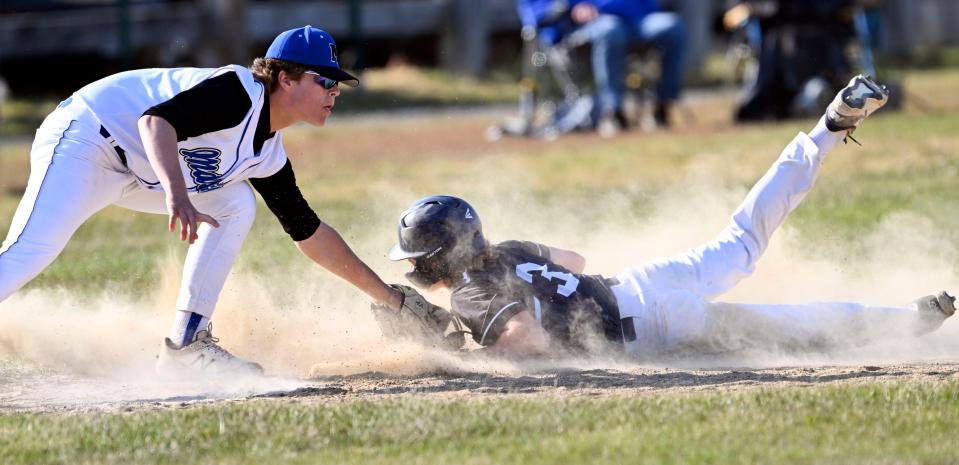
column 441, row 234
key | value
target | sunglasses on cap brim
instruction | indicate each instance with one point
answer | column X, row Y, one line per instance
column 325, row 82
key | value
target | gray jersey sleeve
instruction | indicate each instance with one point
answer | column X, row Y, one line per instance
column 531, row 248
column 483, row 312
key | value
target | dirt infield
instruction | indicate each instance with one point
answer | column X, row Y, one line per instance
column 575, row 382
column 28, row 389
column 63, row 353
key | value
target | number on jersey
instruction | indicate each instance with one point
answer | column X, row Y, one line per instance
column 567, row 282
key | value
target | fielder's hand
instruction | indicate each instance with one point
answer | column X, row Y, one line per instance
column 418, row 320
column 181, row 209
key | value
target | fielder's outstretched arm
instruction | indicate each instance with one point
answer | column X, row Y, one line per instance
column 328, row 249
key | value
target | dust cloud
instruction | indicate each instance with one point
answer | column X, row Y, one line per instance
column 300, row 321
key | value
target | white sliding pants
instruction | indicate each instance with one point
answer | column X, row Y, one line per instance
column 669, row 300
column 75, row 173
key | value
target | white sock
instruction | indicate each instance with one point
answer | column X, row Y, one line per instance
column 823, row 137
column 185, row 326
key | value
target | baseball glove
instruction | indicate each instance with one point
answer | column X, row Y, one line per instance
column 419, row 321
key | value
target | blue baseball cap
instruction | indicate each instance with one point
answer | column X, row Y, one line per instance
column 312, row 48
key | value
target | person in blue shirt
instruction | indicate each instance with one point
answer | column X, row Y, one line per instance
column 610, row 26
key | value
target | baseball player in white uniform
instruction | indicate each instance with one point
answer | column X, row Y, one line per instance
column 524, row 298
column 189, row 143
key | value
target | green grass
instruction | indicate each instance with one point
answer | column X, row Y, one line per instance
column 901, row 423
column 397, row 87
column 409, row 87
column 358, row 176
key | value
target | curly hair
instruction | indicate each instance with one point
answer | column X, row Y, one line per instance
column 267, row 71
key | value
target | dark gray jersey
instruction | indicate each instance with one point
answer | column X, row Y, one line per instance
column 518, row 276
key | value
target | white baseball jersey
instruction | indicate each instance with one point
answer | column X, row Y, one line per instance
column 208, row 160
column 87, row 154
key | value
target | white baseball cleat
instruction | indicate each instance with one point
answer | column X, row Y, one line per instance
column 201, row 358
column 933, row 311
column 941, row 305
column 859, row 99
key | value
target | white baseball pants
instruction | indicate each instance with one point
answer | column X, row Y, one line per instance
column 75, row 173
column 669, row 300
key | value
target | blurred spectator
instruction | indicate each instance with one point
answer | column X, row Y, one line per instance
column 610, row 26
column 802, row 54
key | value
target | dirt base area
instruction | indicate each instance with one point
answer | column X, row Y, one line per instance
column 600, row 381
column 27, row 389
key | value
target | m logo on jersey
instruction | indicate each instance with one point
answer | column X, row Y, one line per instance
column 203, row 164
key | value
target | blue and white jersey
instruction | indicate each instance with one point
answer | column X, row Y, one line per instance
column 215, row 143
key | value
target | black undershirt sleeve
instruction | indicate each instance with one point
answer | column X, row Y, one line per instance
column 217, row 103
column 285, row 200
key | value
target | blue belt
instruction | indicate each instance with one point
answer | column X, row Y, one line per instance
column 113, row 143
